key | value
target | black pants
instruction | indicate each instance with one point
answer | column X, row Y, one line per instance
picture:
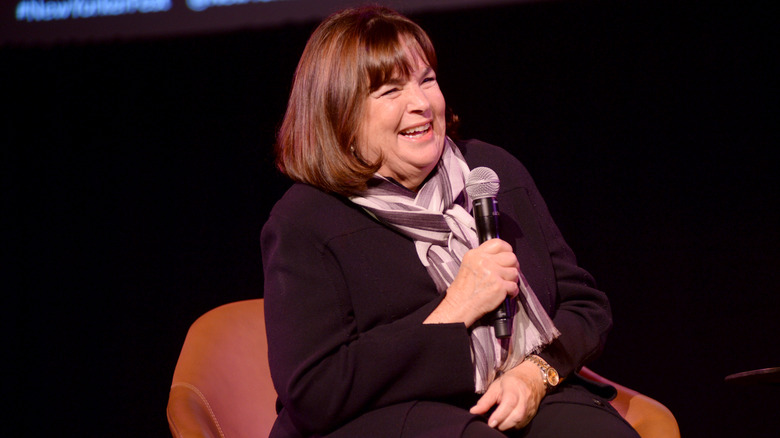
column 577, row 409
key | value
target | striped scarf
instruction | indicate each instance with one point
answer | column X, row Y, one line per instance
column 439, row 221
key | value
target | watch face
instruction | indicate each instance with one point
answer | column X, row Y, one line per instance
column 552, row 377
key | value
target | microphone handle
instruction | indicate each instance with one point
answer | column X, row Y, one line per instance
column 486, row 217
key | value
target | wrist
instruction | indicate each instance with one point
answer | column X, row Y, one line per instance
column 529, row 373
column 447, row 312
column 549, row 375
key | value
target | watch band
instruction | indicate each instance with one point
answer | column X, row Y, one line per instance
column 549, row 374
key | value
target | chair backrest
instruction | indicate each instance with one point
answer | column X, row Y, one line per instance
column 222, row 385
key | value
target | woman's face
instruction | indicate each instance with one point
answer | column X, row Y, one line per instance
column 404, row 121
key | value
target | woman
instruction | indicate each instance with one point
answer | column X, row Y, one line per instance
column 375, row 284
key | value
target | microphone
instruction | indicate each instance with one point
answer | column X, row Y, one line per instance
column 482, row 186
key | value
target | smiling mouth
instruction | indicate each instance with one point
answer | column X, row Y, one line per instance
column 416, row 131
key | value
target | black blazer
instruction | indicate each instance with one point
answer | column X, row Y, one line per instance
column 346, row 296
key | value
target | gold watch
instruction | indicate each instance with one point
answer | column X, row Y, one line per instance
column 549, row 374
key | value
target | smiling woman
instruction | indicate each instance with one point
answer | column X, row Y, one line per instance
column 376, row 283
column 404, row 125
column 360, row 82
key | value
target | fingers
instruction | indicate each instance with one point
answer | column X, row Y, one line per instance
column 494, row 252
column 495, row 246
column 505, row 266
column 487, row 275
column 515, row 403
column 506, row 260
column 508, row 413
column 488, row 399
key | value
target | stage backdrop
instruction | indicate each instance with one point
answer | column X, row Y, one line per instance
column 58, row 21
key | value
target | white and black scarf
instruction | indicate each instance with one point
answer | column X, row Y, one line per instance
column 439, row 221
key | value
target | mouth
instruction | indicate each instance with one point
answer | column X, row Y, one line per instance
column 417, row 131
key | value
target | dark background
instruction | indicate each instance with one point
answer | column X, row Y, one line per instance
column 136, row 177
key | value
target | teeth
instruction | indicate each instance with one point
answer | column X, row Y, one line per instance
column 417, row 130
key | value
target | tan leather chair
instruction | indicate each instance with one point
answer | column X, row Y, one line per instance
column 649, row 417
column 222, row 385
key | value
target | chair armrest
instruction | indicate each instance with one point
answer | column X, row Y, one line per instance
column 650, row 418
column 189, row 413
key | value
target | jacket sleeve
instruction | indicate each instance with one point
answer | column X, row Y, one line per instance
column 324, row 369
column 580, row 311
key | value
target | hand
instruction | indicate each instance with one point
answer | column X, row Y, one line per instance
column 517, row 393
column 487, row 275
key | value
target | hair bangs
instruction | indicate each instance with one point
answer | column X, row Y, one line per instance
column 348, row 56
column 392, row 54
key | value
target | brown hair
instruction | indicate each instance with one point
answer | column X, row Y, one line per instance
column 349, row 55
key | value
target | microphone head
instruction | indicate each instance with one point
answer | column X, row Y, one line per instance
column 482, row 182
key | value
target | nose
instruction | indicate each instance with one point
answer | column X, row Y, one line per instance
column 418, row 101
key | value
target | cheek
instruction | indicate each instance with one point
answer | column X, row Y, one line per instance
column 382, row 118
column 438, row 104
column 363, row 140
column 373, row 132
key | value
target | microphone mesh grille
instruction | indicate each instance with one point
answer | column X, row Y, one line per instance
column 482, row 182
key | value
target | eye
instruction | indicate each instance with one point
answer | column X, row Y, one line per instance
column 389, row 91
column 429, row 79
